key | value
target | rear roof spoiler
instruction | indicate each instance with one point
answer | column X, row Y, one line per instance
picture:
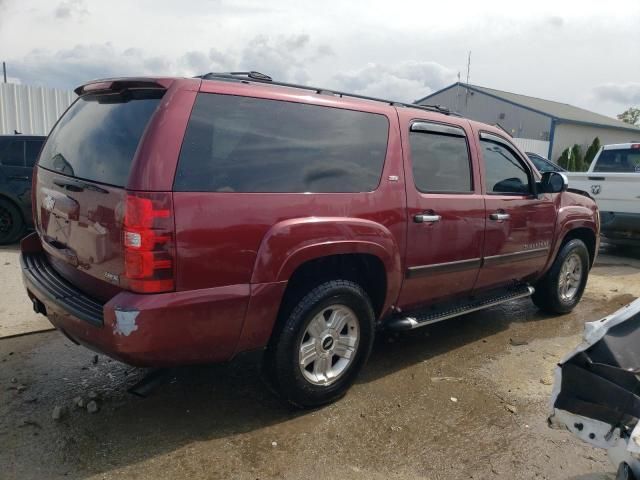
column 119, row 84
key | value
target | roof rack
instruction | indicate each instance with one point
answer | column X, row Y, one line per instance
column 253, row 76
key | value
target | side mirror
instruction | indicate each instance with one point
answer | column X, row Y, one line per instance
column 553, row 182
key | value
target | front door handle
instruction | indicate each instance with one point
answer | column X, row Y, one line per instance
column 499, row 216
column 426, row 218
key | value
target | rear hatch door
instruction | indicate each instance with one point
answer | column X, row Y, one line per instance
column 80, row 185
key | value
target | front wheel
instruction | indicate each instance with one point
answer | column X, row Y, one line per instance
column 560, row 290
column 322, row 344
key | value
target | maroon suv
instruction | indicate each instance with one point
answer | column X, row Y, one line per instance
column 187, row 220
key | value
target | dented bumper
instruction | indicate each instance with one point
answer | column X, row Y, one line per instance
column 157, row 330
column 596, row 394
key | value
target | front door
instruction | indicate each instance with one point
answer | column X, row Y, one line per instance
column 446, row 216
column 520, row 224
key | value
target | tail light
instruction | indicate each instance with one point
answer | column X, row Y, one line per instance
column 148, row 239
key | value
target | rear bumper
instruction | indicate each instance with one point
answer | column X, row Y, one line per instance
column 157, row 330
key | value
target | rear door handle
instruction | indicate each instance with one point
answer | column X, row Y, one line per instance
column 426, row 218
column 499, row 216
column 19, row 177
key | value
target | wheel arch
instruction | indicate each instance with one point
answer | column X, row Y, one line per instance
column 587, row 235
column 332, row 244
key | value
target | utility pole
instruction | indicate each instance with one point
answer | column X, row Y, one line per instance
column 4, row 71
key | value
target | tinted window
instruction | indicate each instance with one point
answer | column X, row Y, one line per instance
column 622, row 160
column 542, row 164
column 503, row 171
column 97, row 137
column 238, row 144
column 32, row 150
column 4, row 143
column 440, row 162
column 13, row 155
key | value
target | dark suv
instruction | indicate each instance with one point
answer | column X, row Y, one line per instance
column 18, row 154
column 188, row 220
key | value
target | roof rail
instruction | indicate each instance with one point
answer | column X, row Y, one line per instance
column 253, row 76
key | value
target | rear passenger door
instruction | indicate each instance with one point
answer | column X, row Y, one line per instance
column 520, row 223
column 445, row 213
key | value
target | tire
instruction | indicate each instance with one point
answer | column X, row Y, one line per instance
column 557, row 294
column 332, row 321
column 11, row 223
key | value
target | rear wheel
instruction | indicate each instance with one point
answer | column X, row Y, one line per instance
column 11, row 224
column 322, row 344
column 560, row 290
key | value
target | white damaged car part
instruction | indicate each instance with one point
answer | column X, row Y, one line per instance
column 596, row 394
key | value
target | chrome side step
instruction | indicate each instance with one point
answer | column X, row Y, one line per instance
column 432, row 315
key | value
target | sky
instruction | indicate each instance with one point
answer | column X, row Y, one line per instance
column 585, row 53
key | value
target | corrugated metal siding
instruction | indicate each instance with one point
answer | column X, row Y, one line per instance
column 519, row 121
column 31, row 110
column 536, row 146
column 568, row 134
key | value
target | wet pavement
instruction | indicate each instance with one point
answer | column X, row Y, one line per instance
column 466, row 398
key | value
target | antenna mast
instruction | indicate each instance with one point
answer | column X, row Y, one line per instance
column 466, row 97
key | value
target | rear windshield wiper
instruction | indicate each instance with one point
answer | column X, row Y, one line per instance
column 79, row 186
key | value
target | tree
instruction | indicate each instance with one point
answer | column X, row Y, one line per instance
column 591, row 152
column 576, row 155
column 563, row 159
column 631, row 116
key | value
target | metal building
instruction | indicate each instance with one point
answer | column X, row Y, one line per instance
column 542, row 126
column 31, row 110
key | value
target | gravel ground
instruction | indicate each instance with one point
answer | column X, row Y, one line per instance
column 466, row 398
column 16, row 313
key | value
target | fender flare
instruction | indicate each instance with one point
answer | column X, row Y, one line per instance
column 566, row 228
column 291, row 243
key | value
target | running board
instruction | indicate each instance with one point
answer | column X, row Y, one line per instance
column 428, row 316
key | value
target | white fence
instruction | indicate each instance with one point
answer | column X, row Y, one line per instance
column 536, row 146
column 31, row 110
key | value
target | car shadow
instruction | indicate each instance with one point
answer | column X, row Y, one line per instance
column 14, row 247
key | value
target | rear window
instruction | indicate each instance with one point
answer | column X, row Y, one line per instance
column 239, row 144
column 621, row 160
column 97, row 137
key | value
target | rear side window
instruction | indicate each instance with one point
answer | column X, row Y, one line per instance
column 13, row 154
column 440, row 162
column 97, row 137
column 32, row 150
column 621, row 160
column 504, row 173
column 239, row 144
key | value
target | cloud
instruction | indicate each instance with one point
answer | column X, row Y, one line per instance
column 555, row 21
column 623, row 93
column 71, row 67
column 285, row 58
column 70, row 8
column 196, row 62
column 405, row 81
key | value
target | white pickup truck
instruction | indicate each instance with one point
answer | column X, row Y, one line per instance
column 613, row 179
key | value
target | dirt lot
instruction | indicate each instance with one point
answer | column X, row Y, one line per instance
column 461, row 399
